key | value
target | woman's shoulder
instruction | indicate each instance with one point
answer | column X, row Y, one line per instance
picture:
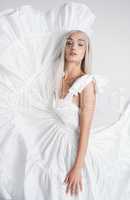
column 96, row 80
column 80, row 83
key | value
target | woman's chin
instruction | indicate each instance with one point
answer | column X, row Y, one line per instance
column 72, row 60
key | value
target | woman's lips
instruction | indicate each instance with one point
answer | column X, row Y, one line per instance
column 73, row 54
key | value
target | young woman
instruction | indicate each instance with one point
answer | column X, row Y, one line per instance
column 76, row 53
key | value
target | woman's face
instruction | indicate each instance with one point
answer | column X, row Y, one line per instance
column 75, row 47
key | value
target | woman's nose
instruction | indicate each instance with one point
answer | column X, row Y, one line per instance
column 74, row 46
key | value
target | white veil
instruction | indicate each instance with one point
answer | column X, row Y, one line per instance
column 62, row 21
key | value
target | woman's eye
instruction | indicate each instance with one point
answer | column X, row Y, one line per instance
column 80, row 44
column 69, row 43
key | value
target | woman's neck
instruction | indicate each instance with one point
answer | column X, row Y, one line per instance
column 72, row 71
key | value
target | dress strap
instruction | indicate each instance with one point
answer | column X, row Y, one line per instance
column 80, row 83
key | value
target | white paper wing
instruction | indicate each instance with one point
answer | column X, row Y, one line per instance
column 111, row 102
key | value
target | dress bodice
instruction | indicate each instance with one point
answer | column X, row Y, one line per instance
column 65, row 108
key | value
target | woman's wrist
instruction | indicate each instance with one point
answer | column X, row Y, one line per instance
column 78, row 165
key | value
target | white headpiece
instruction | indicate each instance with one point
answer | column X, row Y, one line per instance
column 71, row 16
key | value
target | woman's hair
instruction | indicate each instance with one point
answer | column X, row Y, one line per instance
column 86, row 64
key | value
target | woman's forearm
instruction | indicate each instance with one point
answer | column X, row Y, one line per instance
column 85, row 124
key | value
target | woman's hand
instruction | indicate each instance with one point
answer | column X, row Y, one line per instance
column 74, row 181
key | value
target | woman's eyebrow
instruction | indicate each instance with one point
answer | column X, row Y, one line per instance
column 78, row 39
column 69, row 38
column 81, row 40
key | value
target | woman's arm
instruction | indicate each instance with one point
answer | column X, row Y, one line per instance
column 87, row 108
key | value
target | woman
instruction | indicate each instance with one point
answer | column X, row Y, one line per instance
column 76, row 53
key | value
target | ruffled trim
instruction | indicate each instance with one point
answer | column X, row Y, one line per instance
column 79, row 85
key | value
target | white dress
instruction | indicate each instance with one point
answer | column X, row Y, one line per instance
column 39, row 137
column 42, row 146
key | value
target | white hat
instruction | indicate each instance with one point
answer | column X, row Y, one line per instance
column 71, row 16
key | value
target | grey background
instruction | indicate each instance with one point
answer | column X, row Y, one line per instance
column 111, row 39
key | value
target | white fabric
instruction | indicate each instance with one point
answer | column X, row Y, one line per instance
column 38, row 135
column 71, row 16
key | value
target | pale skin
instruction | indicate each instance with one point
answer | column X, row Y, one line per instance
column 85, row 100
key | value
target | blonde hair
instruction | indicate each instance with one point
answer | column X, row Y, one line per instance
column 86, row 64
